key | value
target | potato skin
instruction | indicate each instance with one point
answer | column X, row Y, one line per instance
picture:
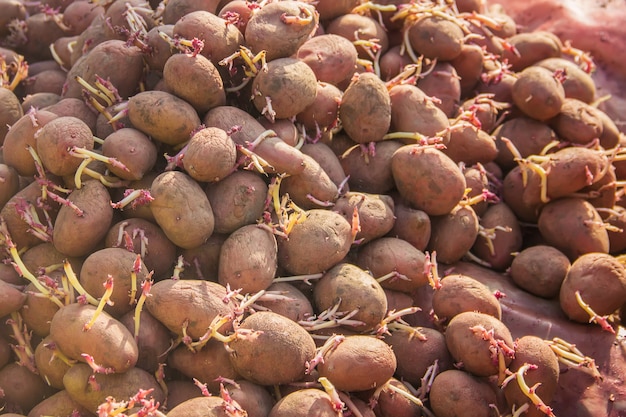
column 455, row 392
column 200, row 407
column 67, row 331
column 540, row 270
column 452, row 235
column 538, row 93
column 187, row 225
column 277, row 354
column 427, row 179
column 459, row 293
column 22, row 389
column 358, row 363
column 307, row 402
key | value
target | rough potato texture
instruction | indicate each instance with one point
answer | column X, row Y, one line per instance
column 459, row 293
column 455, row 392
column 182, row 209
column 304, row 402
column 276, row 351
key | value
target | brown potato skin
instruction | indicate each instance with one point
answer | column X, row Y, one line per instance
column 358, row 363
column 306, row 402
column 59, row 404
column 213, row 406
column 505, row 241
column 328, row 232
column 248, row 259
column 10, row 111
column 470, row 348
column 173, row 302
column 331, row 57
column 601, row 281
column 76, row 235
column 117, row 385
column 436, row 38
column 352, row 288
column 427, row 179
column 67, row 331
column 376, row 215
column 154, row 340
column 50, row 367
column 452, row 235
column 540, row 270
column 275, row 355
column 133, row 149
column 454, row 392
column 538, row 94
column 385, row 255
column 23, row 389
column 11, row 299
column 210, row 155
column 459, row 293
column 186, row 225
column 296, row 306
column 411, row 225
column 370, row 173
column 312, row 181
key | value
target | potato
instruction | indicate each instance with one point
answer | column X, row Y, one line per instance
column 323, row 113
column 163, row 116
column 529, row 137
column 328, row 232
column 237, row 200
column 577, row 122
column 213, row 406
column 470, row 145
column 540, row 270
column 120, row 386
column 253, row 398
column 469, row 337
column 358, row 363
column 332, row 58
column 186, row 225
column 147, row 239
column 312, row 188
column 427, row 179
column 49, row 365
column 352, row 289
column 329, row 161
column 196, row 80
column 538, row 94
column 531, row 47
column 202, row 262
column 577, row 84
column 117, row 264
column 11, row 111
column 220, row 39
column 22, row 389
column 453, row 393
column 411, row 225
column 601, row 281
column 206, row 365
column 370, row 172
column 443, row 82
column 175, row 9
column 375, row 213
column 11, row 299
column 365, row 109
column 280, row 28
column 353, row 27
column 459, row 293
column 210, row 155
column 287, row 87
column 291, row 302
column 415, row 354
column 397, row 260
column 190, row 303
column 248, row 259
column 276, row 351
column 154, row 340
column 306, row 402
column 436, row 38
column 533, row 350
column 78, row 233
column 573, row 226
column 59, row 404
column 469, row 67
column 133, row 149
column 453, row 235
column 500, row 237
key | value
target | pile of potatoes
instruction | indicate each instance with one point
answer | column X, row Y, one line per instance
column 290, row 208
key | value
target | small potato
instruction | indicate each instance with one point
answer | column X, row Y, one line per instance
column 11, row 299
column 248, row 259
column 323, row 113
column 577, row 84
column 163, row 116
column 210, row 155
column 49, row 364
column 154, row 340
column 443, row 82
column 195, row 79
column 389, row 403
column 276, row 351
column 280, row 28
column 538, row 94
column 573, row 226
column 187, row 225
column 306, row 402
column 22, row 135
column 22, row 389
column 175, row 9
column 453, row 235
column 366, row 295
column 470, row 145
column 312, row 188
column 600, row 279
column 353, row 27
column 291, row 302
column 328, row 160
column 459, row 293
column 436, row 38
column 327, row 232
column 77, row 382
column 213, row 406
column 527, row 135
column 332, row 58
column 237, row 200
column 469, row 67
column 370, row 172
column 533, row 350
column 413, row 111
column 59, row 404
column 10, row 111
column 500, row 236
column 453, row 393
column 578, row 122
column 416, row 353
column 203, row 260
column 469, row 338
column 192, row 304
column 540, row 270
column 135, row 150
column 375, row 213
column 77, row 232
column 395, row 259
column 530, row 48
column 70, row 334
column 427, row 179
column 365, row 110
column 411, row 225
column 358, row 363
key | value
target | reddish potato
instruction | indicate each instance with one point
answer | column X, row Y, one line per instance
column 540, row 270
column 375, row 214
column 210, row 155
column 459, row 293
column 453, row 235
column 538, row 93
column 133, row 149
column 332, row 58
column 454, row 392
